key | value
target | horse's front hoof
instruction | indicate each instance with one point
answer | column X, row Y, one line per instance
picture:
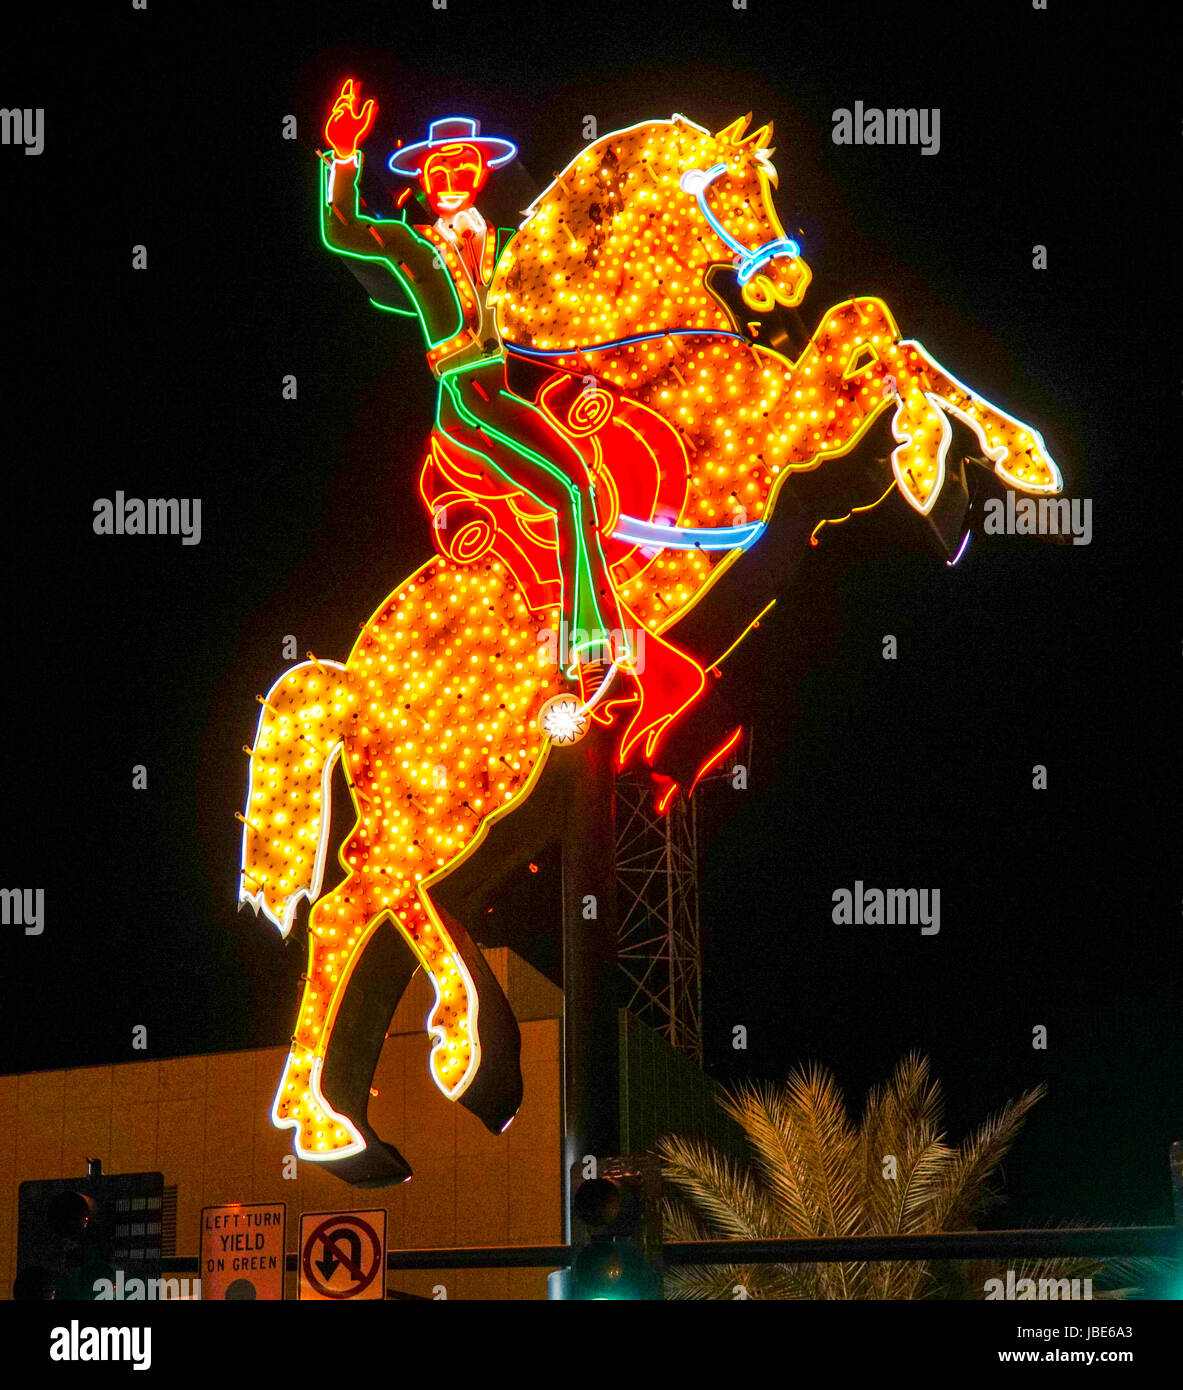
column 492, row 1089
column 495, row 1093
column 379, row 1164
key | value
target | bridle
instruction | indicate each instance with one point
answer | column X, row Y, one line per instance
column 696, row 182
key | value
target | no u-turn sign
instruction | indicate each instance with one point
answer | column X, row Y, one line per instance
column 343, row 1255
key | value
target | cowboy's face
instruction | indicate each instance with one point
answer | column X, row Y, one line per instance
column 452, row 177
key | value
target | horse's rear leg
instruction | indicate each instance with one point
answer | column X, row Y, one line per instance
column 470, row 1017
column 376, row 984
column 493, row 1091
column 340, row 927
column 476, row 1047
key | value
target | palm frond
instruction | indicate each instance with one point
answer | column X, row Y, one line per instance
column 965, row 1186
column 725, row 1194
column 827, row 1145
column 760, row 1111
column 814, row 1173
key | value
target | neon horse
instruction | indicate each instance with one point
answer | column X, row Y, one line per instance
column 609, row 302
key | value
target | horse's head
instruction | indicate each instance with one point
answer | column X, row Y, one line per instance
column 622, row 243
column 733, row 192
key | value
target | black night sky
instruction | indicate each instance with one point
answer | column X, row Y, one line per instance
column 1059, row 907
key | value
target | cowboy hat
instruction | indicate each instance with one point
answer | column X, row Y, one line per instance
column 452, row 130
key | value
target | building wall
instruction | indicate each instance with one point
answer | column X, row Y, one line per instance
column 664, row 1092
column 204, row 1122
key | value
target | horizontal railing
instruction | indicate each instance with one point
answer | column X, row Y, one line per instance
column 1102, row 1242
column 1111, row 1242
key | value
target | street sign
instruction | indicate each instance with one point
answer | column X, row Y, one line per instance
column 242, row 1251
column 343, row 1254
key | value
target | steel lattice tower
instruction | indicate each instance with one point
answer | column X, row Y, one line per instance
column 657, row 886
column 659, row 941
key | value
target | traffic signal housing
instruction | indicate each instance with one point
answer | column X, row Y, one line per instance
column 617, row 1230
column 75, row 1233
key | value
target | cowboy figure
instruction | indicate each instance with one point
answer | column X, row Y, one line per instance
column 443, row 272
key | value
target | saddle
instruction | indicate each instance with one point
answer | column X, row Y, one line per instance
column 636, row 460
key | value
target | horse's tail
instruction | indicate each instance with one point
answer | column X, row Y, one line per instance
column 304, row 719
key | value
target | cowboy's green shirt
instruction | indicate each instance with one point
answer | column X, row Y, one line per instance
column 400, row 268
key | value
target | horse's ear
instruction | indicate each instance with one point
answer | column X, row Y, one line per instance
column 734, row 133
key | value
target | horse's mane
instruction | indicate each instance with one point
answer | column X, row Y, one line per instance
column 612, row 247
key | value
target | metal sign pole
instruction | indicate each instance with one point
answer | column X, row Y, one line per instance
column 591, row 1064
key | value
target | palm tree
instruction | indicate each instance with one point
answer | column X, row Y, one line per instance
column 813, row 1173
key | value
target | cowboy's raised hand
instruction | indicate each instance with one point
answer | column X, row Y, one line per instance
column 347, row 127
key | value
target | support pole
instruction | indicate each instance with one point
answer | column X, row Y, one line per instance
column 591, row 1062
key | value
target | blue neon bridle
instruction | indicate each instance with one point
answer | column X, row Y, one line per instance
column 696, row 182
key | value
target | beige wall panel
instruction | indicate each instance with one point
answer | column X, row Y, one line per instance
column 133, row 1138
column 41, row 1090
column 135, row 1083
column 89, row 1086
column 182, row 1078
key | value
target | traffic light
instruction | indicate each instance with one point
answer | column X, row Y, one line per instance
column 616, row 1230
column 75, row 1233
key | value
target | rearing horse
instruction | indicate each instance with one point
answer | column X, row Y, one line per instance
column 608, row 298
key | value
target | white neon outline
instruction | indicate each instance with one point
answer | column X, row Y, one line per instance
column 960, row 550
column 257, row 899
column 331, row 181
